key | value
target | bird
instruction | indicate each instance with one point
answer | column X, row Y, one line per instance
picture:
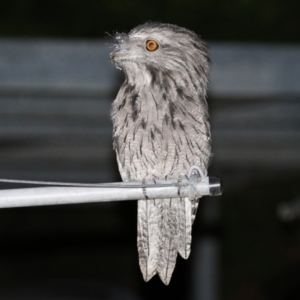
column 160, row 129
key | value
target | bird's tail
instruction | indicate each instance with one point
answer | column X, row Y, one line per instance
column 164, row 228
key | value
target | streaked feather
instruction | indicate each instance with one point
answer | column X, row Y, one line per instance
column 169, row 241
column 148, row 242
column 185, row 227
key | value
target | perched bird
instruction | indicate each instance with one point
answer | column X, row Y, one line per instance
column 160, row 129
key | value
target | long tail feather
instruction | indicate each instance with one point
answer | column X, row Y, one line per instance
column 169, row 228
column 185, row 227
column 149, row 215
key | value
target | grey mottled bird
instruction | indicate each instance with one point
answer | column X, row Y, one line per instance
column 161, row 129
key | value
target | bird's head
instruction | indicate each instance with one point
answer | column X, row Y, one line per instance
column 160, row 47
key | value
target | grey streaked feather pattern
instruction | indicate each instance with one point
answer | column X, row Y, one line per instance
column 161, row 129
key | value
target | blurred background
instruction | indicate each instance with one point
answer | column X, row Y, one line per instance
column 56, row 89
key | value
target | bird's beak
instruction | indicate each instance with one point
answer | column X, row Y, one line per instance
column 117, row 54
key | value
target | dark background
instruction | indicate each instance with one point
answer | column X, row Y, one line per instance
column 89, row 251
column 244, row 20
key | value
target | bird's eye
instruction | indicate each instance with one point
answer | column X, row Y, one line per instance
column 151, row 45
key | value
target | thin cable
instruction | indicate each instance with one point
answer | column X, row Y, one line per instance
column 103, row 185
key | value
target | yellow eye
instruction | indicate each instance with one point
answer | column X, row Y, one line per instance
column 151, row 45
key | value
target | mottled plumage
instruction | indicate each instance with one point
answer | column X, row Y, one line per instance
column 161, row 129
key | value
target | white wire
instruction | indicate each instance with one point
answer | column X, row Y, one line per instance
column 103, row 185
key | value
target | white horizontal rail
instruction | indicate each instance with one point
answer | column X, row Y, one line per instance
column 40, row 196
